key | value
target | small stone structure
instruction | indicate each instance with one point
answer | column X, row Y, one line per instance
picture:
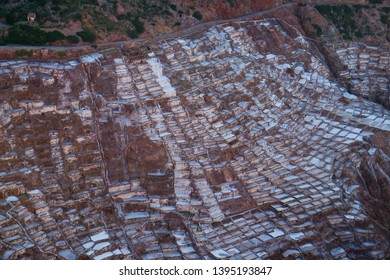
column 31, row 17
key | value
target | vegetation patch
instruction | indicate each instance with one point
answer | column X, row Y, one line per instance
column 23, row 196
column 87, row 35
column 24, row 34
column 187, row 214
column 24, row 53
column 376, row 1
column 198, row 15
column 318, row 30
column 186, row 84
column 132, row 33
column 119, row 16
column 230, row 2
column 102, row 22
column 385, row 19
column 73, row 39
column 62, row 54
column 138, row 25
column 54, row 36
column 27, row 35
column 351, row 20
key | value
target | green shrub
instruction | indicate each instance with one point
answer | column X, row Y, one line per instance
column 10, row 18
column 23, row 196
column 186, row 84
column 138, row 25
column 62, row 53
column 342, row 16
column 187, row 214
column 132, row 33
column 76, row 16
column 87, row 35
column 357, row 7
column 346, row 36
column 174, row 7
column 122, row 17
column 385, row 19
column 101, row 21
column 24, row 53
column 376, row 1
column 3, row 11
column 56, row 9
column 324, row 9
column 359, row 34
column 73, row 39
column 90, row 2
column 318, row 30
column 231, row 3
column 167, row 13
column 27, row 35
column 55, row 36
column 198, row 15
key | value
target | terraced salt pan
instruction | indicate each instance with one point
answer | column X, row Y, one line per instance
column 100, row 236
column 90, row 58
column 162, row 80
column 283, row 158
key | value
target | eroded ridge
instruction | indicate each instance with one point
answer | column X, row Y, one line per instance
column 233, row 144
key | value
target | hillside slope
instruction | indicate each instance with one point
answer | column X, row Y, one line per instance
column 233, row 143
column 117, row 20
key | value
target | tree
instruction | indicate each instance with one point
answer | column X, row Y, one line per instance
column 132, row 33
column 55, row 36
column 198, row 15
column 87, row 35
column 138, row 25
column 27, row 35
column 10, row 18
column 73, row 39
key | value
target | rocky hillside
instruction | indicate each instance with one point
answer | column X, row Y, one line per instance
column 118, row 20
column 236, row 142
column 73, row 22
column 355, row 42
